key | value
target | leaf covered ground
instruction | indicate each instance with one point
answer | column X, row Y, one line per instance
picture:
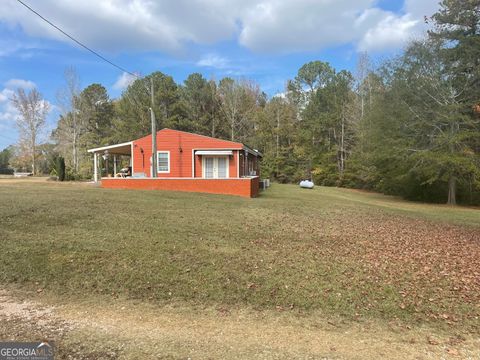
column 342, row 253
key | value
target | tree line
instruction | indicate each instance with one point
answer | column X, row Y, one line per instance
column 409, row 126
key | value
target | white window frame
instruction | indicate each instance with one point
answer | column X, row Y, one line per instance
column 215, row 160
column 158, row 159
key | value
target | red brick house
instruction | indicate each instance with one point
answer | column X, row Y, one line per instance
column 185, row 162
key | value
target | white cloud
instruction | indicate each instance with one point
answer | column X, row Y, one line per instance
column 390, row 33
column 8, row 112
column 213, row 61
column 268, row 26
column 128, row 24
column 419, row 9
column 123, row 81
column 284, row 26
column 5, row 95
column 20, row 83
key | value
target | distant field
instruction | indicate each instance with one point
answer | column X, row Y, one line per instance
column 341, row 252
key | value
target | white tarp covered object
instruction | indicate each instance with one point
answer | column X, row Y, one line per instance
column 306, row 184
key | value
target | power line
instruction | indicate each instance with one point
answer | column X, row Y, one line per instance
column 76, row 41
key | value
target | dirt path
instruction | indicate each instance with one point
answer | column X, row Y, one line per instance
column 124, row 330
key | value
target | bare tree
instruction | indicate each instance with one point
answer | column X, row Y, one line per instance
column 239, row 101
column 213, row 97
column 363, row 83
column 69, row 127
column 33, row 111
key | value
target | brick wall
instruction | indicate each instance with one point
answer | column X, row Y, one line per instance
column 245, row 187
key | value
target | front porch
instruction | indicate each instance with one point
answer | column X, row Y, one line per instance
column 112, row 153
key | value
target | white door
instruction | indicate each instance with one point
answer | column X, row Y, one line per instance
column 222, row 167
column 208, row 168
column 215, row 167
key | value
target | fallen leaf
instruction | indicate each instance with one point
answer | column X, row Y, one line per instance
column 452, row 351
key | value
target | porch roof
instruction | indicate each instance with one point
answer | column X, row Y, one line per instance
column 118, row 149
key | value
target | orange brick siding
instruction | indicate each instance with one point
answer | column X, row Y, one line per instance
column 246, row 187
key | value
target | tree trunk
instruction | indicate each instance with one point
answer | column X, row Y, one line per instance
column 278, row 133
column 74, row 150
column 362, row 107
column 452, row 190
column 342, row 148
column 213, row 123
column 369, row 92
column 213, row 110
column 74, row 142
column 34, row 149
column 452, row 181
column 33, row 162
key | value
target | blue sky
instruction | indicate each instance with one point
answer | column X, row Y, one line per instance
column 263, row 40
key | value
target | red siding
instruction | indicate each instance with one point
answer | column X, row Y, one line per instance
column 246, row 187
column 198, row 166
column 181, row 145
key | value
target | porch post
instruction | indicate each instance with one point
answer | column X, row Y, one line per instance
column 114, row 165
column 245, row 164
column 238, row 163
column 95, row 167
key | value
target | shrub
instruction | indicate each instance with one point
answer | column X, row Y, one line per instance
column 6, row 171
column 60, row 167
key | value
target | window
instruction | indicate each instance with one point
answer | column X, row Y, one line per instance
column 163, row 159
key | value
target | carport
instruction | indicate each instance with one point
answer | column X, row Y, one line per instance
column 123, row 149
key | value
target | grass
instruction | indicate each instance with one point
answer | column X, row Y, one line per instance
column 102, row 328
column 341, row 252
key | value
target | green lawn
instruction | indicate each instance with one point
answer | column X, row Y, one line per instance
column 341, row 252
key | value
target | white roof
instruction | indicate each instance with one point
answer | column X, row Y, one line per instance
column 213, row 152
column 122, row 149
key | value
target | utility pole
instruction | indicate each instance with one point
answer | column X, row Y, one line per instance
column 154, row 132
